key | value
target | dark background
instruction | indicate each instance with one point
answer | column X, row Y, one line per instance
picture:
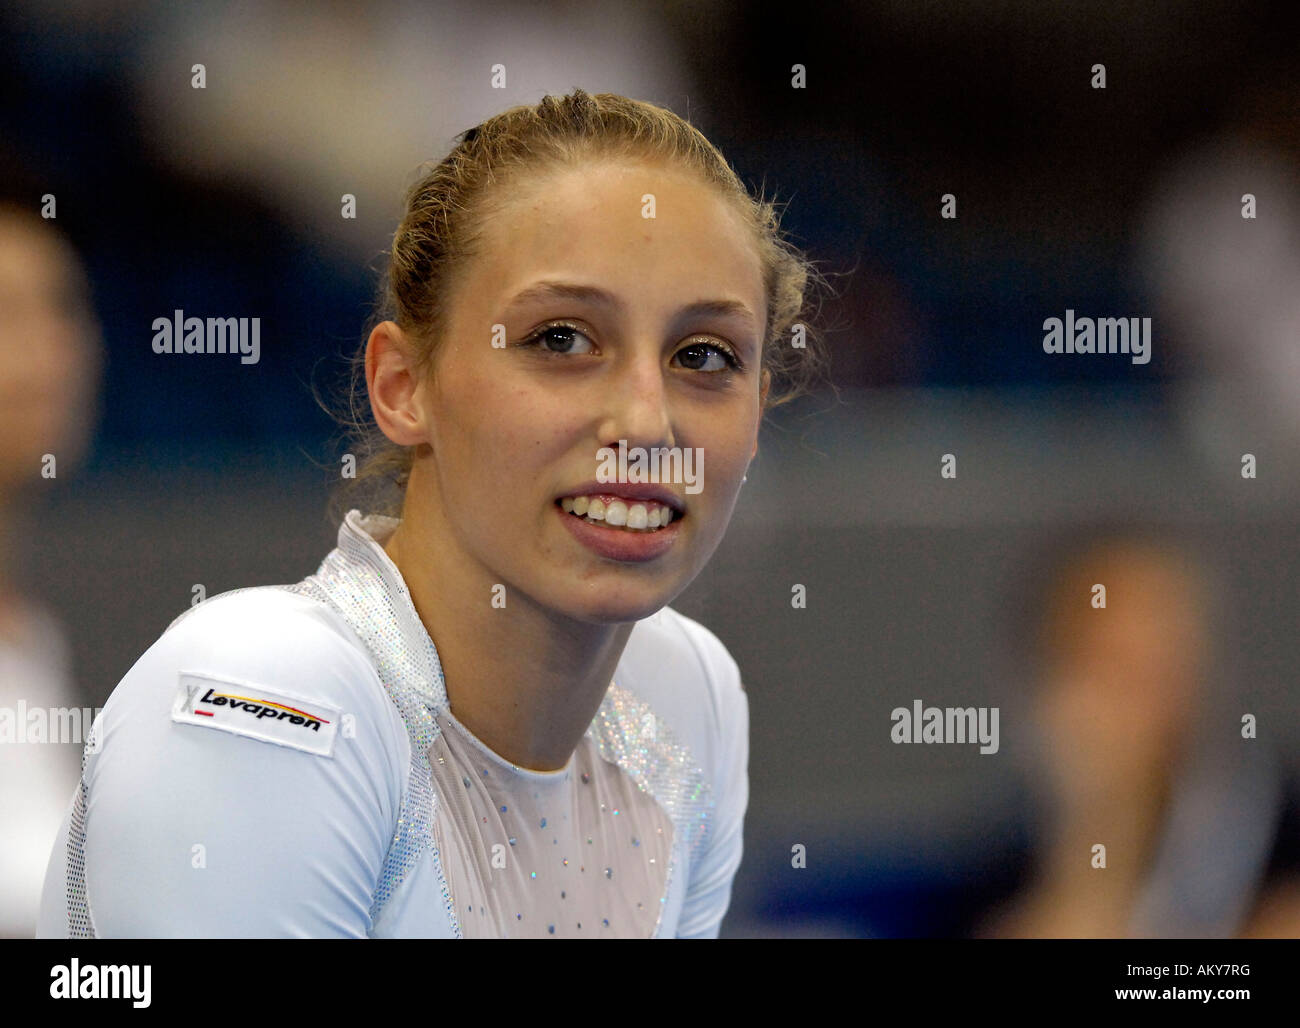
column 203, row 470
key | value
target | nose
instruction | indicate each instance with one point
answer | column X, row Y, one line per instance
column 636, row 404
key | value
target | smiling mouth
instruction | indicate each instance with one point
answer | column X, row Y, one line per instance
column 644, row 516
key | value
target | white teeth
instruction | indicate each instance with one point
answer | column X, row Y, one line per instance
column 637, row 516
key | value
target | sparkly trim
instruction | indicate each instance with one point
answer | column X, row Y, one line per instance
column 663, row 900
column 628, row 733
column 353, row 582
column 80, row 925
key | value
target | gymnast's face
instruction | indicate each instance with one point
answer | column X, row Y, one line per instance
column 515, row 430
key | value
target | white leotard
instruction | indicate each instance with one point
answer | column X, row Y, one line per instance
column 283, row 762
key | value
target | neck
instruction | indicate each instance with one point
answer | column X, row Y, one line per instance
column 524, row 680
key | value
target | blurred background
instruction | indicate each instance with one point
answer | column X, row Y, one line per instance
column 1121, row 726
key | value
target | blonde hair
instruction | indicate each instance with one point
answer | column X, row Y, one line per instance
column 446, row 209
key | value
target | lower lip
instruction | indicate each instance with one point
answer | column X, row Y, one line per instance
column 619, row 544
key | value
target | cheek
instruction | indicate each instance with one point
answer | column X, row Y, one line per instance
column 496, row 432
column 727, row 456
column 527, row 424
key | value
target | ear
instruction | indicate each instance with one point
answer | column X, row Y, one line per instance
column 392, row 380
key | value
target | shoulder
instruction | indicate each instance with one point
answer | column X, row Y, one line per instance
column 685, row 673
column 271, row 634
column 256, row 726
column 244, row 620
column 275, row 645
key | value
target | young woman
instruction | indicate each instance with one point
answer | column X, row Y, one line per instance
column 482, row 719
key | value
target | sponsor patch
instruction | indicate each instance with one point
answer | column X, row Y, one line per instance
column 257, row 712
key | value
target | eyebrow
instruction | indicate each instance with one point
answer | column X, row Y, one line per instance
column 595, row 295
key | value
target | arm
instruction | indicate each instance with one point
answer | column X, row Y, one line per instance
column 195, row 830
column 709, row 892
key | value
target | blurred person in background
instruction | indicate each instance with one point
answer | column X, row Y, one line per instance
column 1219, row 248
column 1137, row 754
column 49, row 369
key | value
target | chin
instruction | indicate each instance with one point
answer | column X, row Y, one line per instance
column 612, row 618
column 635, row 606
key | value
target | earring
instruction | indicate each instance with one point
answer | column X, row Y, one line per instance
column 744, row 479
